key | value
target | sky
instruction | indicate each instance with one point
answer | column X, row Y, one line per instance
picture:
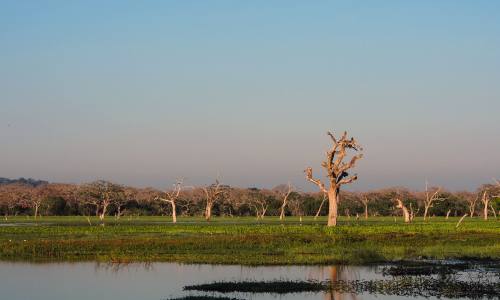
column 144, row 92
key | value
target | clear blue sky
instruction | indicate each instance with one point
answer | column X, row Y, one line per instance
column 142, row 92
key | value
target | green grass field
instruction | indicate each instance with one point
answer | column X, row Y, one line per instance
column 246, row 241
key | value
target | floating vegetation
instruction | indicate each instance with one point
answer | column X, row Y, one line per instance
column 420, row 286
column 203, row 298
column 406, row 286
column 275, row 287
column 419, row 268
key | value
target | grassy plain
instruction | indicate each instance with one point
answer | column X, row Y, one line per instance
column 246, row 241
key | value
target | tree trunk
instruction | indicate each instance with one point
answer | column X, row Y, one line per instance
column 448, row 214
column 460, row 221
column 174, row 213
column 103, row 214
column 426, row 210
column 406, row 213
column 319, row 209
column 366, row 210
column 471, row 210
column 493, row 211
column 208, row 211
column 332, row 206
column 264, row 209
column 282, row 213
column 36, row 211
column 486, row 211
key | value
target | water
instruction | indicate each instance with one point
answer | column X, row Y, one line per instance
column 159, row 281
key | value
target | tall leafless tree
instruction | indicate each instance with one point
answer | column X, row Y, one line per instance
column 10, row 196
column 35, row 196
column 101, row 194
column 404, row 209
column 431, row 196
column 325, row 196
column 296, row 207
column 284, row 193
column 337, row 173
column 213, row 193
column 171, row 196
column 257, row 200
column 485, row 199
column 127, row 195
column 365, row 199
column 471, row 202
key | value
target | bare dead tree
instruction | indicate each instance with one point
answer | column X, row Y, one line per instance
column 127, row 195
column 260, row 204
column 296, row 207
column 190, row 200
column 364, row 199
column 171, row 197
column 256, row 200
column 406, row 213
column 10, row 196
column 336, row 171
column 284, row 193
column 496, row 196
column 413, row 213
column 485, row 200
column 101, row 194
column 430, row 198
column 213, row 193
column 460, row 221
column 471, row 203
column 493, row 211
column 325, row 196
column 35, row 197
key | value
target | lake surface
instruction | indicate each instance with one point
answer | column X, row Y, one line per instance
column 160, row 281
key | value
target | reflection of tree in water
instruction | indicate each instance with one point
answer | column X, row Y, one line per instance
column 341, row 273
column 116, row 267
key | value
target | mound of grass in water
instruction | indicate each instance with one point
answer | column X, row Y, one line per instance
column 420, row 287
column 405, row 286
column 275, row 287
column 420, row 268
column 203, row 298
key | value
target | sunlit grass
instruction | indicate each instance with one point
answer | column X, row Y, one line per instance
column 246, row 240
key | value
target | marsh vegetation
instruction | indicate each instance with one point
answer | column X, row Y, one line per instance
column 248, row 241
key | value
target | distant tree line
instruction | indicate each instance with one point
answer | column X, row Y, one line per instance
column 103, row 198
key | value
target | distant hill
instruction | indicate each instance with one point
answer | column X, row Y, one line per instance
column 22, row 180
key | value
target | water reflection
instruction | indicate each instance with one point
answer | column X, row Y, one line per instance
column 155, row 281
column 341, row 273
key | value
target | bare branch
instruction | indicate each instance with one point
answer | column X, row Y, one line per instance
column 351, row 164
column 309, row 176
column 333, row 137
column 347, row 180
